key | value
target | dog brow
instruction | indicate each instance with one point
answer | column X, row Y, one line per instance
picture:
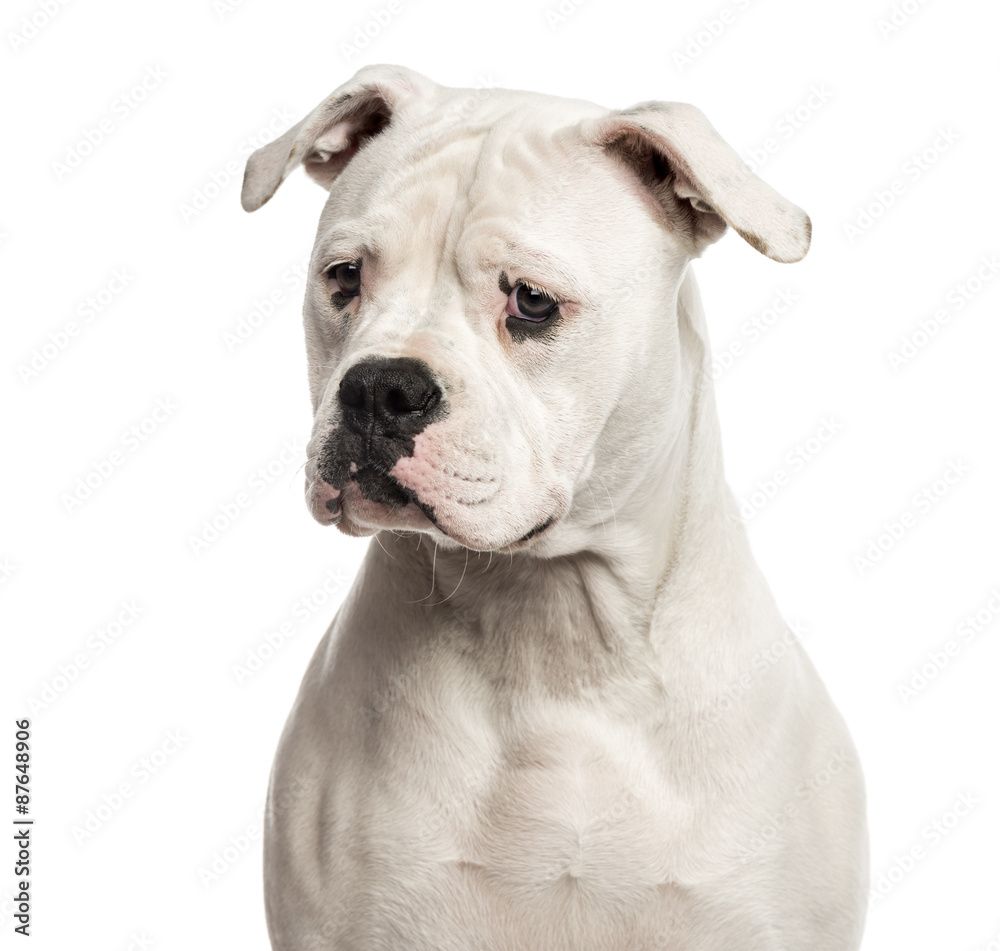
column 351, row 243
column 543, row 268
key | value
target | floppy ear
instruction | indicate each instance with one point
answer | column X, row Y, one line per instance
column 700, row 180
column 328, row 138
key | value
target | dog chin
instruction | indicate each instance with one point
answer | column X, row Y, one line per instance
column 358, row 516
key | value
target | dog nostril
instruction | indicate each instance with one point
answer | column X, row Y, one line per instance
column 351, row 393
column 399, row 402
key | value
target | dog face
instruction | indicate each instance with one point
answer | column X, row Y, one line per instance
column 491, row 316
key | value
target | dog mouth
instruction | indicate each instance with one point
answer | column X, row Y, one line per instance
column 374, row 486
column 383, row 488
column 369, row 491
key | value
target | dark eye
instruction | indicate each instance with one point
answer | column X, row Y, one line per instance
column 347, row 277
column 529, row 303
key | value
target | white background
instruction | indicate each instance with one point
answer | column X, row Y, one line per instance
column 870, row 100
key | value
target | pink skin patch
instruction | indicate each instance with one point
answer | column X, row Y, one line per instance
column 324, row 501
column 325, row 492
column 455, row 496
column 418, row 472
column 429, row 472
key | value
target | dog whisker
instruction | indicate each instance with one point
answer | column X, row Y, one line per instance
column 611, row 502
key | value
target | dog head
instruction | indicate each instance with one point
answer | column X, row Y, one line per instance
column 491, row 314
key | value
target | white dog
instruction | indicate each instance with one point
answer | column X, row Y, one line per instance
column 559, row 708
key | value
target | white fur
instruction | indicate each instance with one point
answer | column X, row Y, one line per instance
column 527, row 745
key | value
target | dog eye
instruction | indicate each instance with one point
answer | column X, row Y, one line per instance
column 347, row 276
column 529, row 303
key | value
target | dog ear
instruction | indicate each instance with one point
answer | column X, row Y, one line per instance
column 329, row 137
column 700, row 180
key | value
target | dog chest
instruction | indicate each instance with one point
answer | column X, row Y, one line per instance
column 558, row 808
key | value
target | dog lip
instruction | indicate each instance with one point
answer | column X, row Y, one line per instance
column 383, row 489
column 428, row 511
column 322, row 495
column 538, row 529
column 377, row 486
column 379, row 481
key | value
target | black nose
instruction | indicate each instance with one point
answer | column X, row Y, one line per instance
column 384, row 397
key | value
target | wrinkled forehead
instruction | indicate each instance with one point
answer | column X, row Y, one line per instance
column 484, row 177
